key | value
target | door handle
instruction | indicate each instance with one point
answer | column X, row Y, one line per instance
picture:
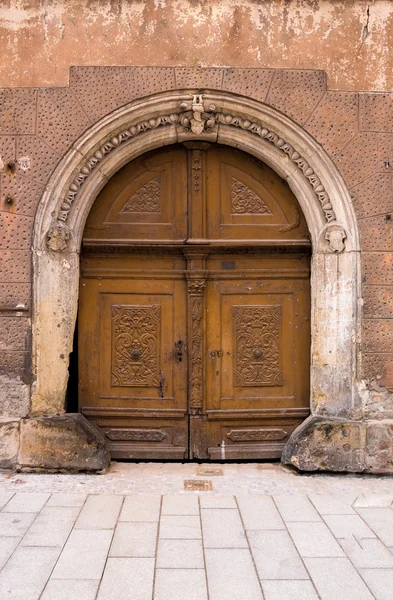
column 179, row 347
column 161, row 386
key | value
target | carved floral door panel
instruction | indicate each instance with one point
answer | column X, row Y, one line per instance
column 257, row 356
column 145, row 200
column 133, row 378
column 194, row 332
column 248, row 200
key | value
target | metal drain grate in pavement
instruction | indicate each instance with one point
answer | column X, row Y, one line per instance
column 198, row 485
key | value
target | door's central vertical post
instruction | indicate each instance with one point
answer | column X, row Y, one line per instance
column 196, row 364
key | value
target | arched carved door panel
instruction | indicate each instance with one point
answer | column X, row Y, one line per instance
column 194, row 328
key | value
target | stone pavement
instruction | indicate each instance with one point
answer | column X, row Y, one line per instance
column 263, row 531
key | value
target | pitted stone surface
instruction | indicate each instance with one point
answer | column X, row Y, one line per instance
column 39, row 159
column 101, row 90
column 17, row 111
column 296, row 93
column 378, row 335
column 376, row 233
column 15, row 265
column 64, row 536
column 60, row 118
column 374, row 196
column 378, row 268
column 253, row 83
column 189, row 78
column 334, row 122
column 24, row 193
column 379, row 366
column 359, row 160
column 376, row 112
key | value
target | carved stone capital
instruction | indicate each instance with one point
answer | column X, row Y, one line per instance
column 196, row 287
column 58, row 236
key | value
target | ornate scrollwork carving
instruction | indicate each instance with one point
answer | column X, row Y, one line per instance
column 245, row 201
column 146, row 199
column 135, row 343
column 257, row 338
column 197, row 117
column 196, row 287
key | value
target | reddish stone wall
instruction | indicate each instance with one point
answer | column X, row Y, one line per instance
column 37, row 126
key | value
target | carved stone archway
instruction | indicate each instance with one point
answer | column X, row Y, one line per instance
column 227, row 119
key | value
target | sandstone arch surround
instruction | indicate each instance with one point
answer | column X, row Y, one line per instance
column 236, row 121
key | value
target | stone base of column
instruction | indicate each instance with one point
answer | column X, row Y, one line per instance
column 323, row 444
column 65, row 443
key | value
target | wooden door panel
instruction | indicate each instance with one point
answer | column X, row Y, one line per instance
column 130, row 371
column 257, row 361
column 146, row 200
column 246, row 200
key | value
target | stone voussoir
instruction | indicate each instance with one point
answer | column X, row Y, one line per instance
column 61, row 443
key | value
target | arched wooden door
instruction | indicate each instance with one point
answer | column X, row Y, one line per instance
column 194, row 317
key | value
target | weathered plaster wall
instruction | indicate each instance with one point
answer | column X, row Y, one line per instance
column 349, row 39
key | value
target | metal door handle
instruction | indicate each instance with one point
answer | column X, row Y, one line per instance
column 161, row 386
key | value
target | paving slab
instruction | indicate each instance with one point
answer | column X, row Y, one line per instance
column 373, row 501
column 26, row 573
column 222, row 528
column 333, row 504
column 4, row 498
column 26, row 503
column 176, row 584
column 180, row 505
column 180, row 554
column 142, row 509
column 67, row 500
column 337, row 578
column 134, row 540
column 68, row 589
column 217, row 501
column 296, row 508
column 7, row 546
column 289, row 590
column 231, row 574
column 51, row 527
column 380, row 520
column 127, row 579
column 346, row 526
column 84, row 555
column 275, row 555
column 380, row 582
column 100, row 512
column 180, row 527
column 314, row 540
column 259, row 512
column 15, row 524
column 367, row 553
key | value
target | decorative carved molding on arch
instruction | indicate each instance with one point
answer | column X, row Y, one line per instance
column 202, row 118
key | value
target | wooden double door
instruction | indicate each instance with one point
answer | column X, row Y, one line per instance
column 194, row 317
